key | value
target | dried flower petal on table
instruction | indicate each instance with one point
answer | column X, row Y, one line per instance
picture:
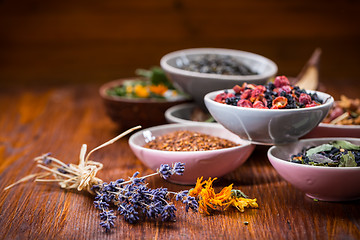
column 210, row 201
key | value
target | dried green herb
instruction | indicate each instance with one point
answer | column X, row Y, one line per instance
column 338, row 153
column 345, row 145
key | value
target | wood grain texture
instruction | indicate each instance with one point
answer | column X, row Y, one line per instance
column 59, row 120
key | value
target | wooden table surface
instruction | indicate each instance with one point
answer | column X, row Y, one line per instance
column 48, row 49
column 60, row 120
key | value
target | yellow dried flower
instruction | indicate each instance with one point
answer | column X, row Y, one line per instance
column 129, row 89
column 207, row 198
column 158, row 89
column 141, row 91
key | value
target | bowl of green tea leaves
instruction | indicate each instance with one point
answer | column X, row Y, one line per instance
column 141, row 100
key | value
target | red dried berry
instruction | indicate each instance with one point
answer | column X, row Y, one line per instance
column 246, row 94
column 281, row 81
column 220, row 97
column 279, row 102
column 259, row 104
column 229, row 95
column 244, row 103
column 257, row 93
column 237, row 89
column 312, row 104
column 285, row 88
column 305, row 98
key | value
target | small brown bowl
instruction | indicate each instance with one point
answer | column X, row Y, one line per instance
column 130, row 112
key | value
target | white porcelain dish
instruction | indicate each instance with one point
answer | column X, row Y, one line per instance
column 322, row 183
column 268, row 126
column 198, row 84
column 212, row 163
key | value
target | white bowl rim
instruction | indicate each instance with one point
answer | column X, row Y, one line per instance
column 169, row 113
column 328, row 125
column 220, row 51
column 329, row 100
column 175, row 126
column 276, row 159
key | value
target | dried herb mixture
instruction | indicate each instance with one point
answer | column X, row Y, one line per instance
column 215, row 64
column 344, row 112
column 278, row 95
column 188, row 141
column 152, row 83
column 332, row 154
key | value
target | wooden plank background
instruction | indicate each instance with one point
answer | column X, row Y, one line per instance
column 75, row 42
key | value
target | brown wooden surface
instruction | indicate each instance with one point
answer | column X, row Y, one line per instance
column 59, row 120
column 55, row 54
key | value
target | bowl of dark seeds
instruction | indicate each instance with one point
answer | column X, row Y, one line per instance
column 198, row 71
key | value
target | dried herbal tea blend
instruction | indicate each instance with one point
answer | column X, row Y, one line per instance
column 344, row 112
column 216, row 64
column 188, row 141
column 332, row 154
column 277, row 95
column 152, row 83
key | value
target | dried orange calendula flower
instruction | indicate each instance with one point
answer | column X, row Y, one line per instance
column 209, row 200
column 158, row 89
column 141, row 91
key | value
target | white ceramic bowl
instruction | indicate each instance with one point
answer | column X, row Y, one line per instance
column 183, row 113
column 212, row 163
column 322, row 183
column 198, row 84
column 268, row 126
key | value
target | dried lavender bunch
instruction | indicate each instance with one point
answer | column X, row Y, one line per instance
column 135, row 201
column 133, row 198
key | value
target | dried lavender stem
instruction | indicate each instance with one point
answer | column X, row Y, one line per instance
column 111, row 141
column 81, row 176
column 53, row 171
column 129, row 181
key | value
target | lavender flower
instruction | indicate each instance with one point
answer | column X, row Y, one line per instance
column 135, row 201
column 107, row 217
column 179, row 168
column 45, row 158
column 166, row 171
column 168, row 213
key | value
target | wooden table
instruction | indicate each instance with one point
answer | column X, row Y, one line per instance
column 60, row 120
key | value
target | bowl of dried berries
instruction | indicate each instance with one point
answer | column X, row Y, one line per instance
column 325, row 169
column 207, row 149
column 141, row 100
column 275, row 113
column 198, row 71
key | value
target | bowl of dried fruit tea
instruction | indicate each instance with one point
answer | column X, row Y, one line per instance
column 187, row 113
column 275, row 113
column 343, row 120
column 207, row 149
column 325, row 169
column 141, row 100
column 198, row 71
